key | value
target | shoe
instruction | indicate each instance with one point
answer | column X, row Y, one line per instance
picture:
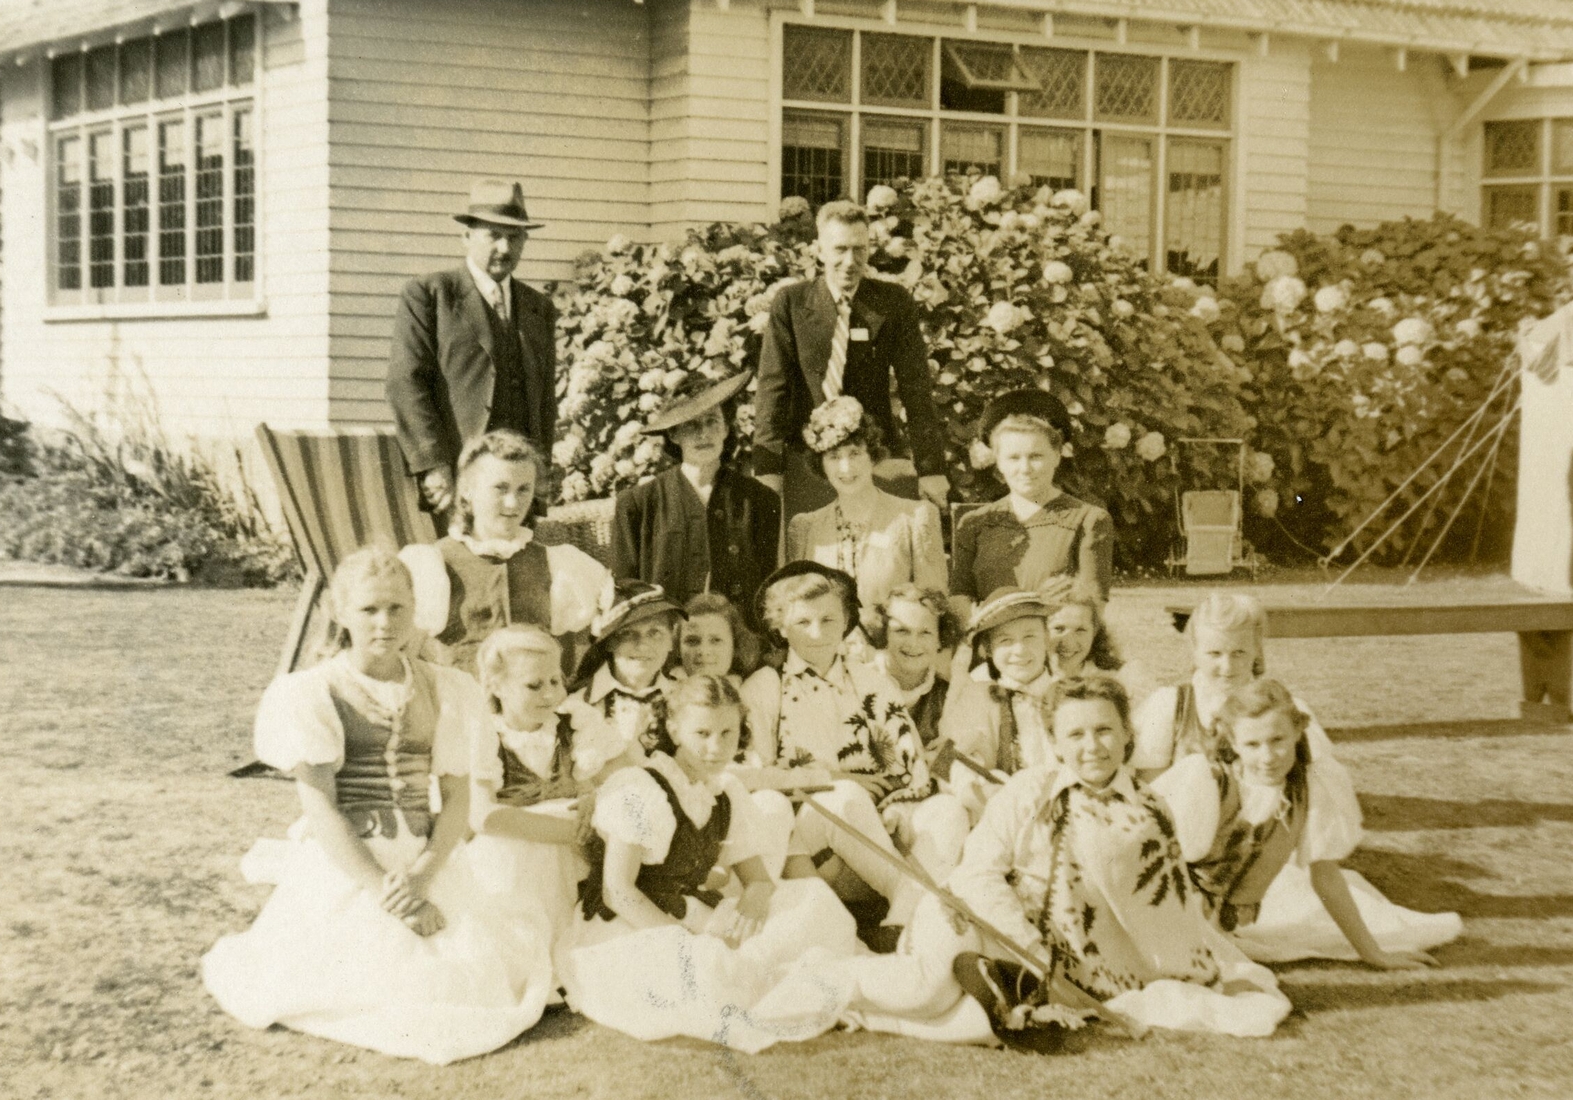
column 883, row 939
column 988, row 983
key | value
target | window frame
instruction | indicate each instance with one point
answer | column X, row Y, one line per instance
column 1230, row 135
column 1546, row 180
column 190, row 298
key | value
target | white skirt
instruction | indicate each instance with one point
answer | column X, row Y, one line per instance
column 324, row 958
column 1293, row 923
column 528, row 878
column 670, row 981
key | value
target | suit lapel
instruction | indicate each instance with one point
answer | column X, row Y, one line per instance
column 476, row 313
column 866, row 315
column 816, row 331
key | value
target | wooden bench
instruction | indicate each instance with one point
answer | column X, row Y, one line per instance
column 1544, row 625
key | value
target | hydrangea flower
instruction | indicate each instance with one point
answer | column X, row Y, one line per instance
column 985, row 191
column 1469, row 328
column 1259, row 466
column 1232, row 342
column 1376, row 351
column 1346, row 349
column 1057, row 271
column 1266, row 502
column 980, row 455
column 1275, row 263
column 1283, row 293
column 1206, row 310
column 1381, row 305
column 1331, row 299
column 618, row 243
column 881, row 197
column 1410, row 355
column 1004, row 316
column 1411, row 330
column 793, row 206
column 1117, row 436
column 1070, row 199
column 1151, row 446
column 621, row 285
column 1122, row 308
column 1373, row 257
column 566, row 451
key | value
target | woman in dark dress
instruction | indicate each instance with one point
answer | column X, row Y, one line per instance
column 700, row 525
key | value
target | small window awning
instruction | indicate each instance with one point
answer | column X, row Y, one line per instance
column 988, row 65
column 1540, row 30
column 28, row 26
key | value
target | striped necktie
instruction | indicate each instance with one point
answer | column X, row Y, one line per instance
column 836, row 368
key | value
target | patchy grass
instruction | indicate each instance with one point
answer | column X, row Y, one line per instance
column 120, row 712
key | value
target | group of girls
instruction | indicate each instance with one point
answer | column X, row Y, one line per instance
column 931, row 811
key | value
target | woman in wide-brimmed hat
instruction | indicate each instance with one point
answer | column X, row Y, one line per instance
column 1037, row 531
column 699, row 526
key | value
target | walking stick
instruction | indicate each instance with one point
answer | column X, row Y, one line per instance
column 973, row 766
column 1046, row 972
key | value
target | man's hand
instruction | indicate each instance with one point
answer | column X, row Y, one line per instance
column 437, row 488
column 770, row 481
column 936, row 488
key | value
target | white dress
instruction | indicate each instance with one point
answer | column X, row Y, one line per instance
column 323, row 957
column 680, row 980
column 1293, row 923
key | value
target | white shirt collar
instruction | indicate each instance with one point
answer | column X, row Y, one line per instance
column 1037, row 687
column 534, row 748
column 488, row 286
column 1122, row 784
column 498, row 548
column 604, row 682
column 696, row 799
column 1207, row 697
column 796, row 666
column 909, row 699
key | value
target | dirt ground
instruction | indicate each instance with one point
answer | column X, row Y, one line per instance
column 121, row 712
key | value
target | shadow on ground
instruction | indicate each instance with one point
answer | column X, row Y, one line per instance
column 1431, row 884
column 1459, row 730
column 1395, row 813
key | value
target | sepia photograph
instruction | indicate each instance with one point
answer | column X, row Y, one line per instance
column 786, row 549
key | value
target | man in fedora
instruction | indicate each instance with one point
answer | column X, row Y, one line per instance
column 838, row 334
column 473, row 348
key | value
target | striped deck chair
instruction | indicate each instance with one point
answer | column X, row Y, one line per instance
column 339, row 492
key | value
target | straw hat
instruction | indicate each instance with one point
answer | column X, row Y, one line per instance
column 694, row 398
column 1008, row 603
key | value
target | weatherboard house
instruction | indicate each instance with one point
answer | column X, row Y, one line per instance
column 219, row 201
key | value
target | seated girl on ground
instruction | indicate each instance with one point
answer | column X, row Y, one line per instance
column 377, row 934
column 618, row 705
column 1262, row 802
column 522, row 788
column 1077, row 861
column 845, row 718
column 655, row 953
column 489, row 571
column 909, row 630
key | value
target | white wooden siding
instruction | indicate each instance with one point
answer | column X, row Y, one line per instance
column 206, row 376
column 1275, row 122
column 1374, row 130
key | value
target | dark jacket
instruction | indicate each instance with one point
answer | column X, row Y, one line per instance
column 441, row 375
column 663, row 533
column 797, row 350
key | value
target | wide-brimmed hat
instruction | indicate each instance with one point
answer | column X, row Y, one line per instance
column 1036, row 403
column 497, row 202
column 695, row 397
column 1009, row 603
column 843, row 582
column 633, row 602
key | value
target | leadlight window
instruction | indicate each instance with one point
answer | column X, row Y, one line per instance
column 1145, row 137
column 1528, row 172
column 154, row 167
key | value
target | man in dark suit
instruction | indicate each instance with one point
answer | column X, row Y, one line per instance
column 843, row 334
column 473, row 348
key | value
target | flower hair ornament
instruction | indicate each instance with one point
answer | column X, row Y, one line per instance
column 833, row 423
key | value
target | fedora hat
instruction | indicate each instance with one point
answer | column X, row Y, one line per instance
column 696, row 396
column 497, row 202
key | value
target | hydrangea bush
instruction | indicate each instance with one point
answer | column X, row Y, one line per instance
column 1015, row 287
column 1366, row 350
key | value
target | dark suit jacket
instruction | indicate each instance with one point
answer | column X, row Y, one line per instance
column 797, row 350
column 441, row 376
column 661, row 531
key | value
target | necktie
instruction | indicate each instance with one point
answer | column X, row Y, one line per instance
column 838, row 350
column 494, row 295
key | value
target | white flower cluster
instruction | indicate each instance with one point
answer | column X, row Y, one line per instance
column 832, row 423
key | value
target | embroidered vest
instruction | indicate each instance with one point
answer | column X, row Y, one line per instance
column 1190, row 735
column 689, row 859
column 387, row 758
column 522, row 787
column 486, row 594
column 1235, row 874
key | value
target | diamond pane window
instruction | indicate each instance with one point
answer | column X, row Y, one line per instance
column 964, row 149
column 1051, row 157
column 1507, row 206
column 1062, row 83
column 134, row 206
column 136, row 70
column 173, row 64
column 101, row 209
column 1125, row 189
column 896, row 70
column 65, row 82
column 68, row 213
column 1562, row 146
column 242, row 50
column 1195, row 208
column 976, row 76
column 1512, row 148
column 813, row 156
column 1198, row 93
column 893, row 149
column 207, row 57
column 817, row 65
column 1125, row 88
column 101, row 78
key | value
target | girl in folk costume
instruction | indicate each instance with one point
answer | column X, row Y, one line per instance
column 909, row 629
column 715, row 641
column 1263, row 802
column 879, row 539
column 377, row 934
column 522, row 788
column 1081, row 862
column 489, row 571
column 699, row 526
column 655, row 953
column 1036, row 532
column 618, row 707
column 844, row 720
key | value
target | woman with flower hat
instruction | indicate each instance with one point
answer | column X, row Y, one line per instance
column 1037, row 531
column 699, row 526
column 878, row 539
